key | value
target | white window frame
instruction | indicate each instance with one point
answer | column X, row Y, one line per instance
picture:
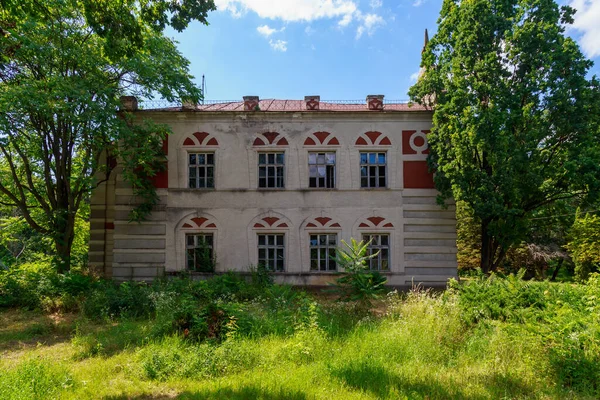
column 276, row 247
column 368, row 164
column 268, row 165
column 198, row 167
column 373, row 248
column 324, row 164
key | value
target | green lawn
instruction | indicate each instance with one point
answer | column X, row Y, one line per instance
column 416, row 347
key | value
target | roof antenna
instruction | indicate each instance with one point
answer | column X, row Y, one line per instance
column 203, row 89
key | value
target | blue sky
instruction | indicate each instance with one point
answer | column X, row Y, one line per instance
column 338, row 49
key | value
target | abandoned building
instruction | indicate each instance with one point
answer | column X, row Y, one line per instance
column 280, row 183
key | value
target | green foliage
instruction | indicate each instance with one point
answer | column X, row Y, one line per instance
column 63, row 67
column 34, row 379
column 584, row 244
column 515, row 126
column 358, row 283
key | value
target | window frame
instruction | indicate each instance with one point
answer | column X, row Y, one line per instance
column 275, row 165
column 325, row 164
column 377, row 166
column 188, row 247
column 275, row 247
column 378, row 247
column 204, row 166
column 328, row 249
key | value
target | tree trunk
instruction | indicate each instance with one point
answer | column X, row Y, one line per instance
column 555, row 273
column 486, row 248
column 63, row 240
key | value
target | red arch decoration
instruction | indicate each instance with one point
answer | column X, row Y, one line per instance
column 200, row 139
column 373, row 138
column 269, row 138
column 322, row 222
column 321, row 138
column 271, row 222
column 376, row 222
column 199, row 222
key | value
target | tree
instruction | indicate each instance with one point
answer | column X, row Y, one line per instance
column 63, row 66
column 515, row 123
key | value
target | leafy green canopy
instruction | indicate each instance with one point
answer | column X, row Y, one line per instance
column 63, row 66
column 515, row 125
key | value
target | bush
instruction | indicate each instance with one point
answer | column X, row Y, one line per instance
column 584, row 244
column 358, row 283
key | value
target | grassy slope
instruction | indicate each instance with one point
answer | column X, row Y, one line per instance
column 419, row 349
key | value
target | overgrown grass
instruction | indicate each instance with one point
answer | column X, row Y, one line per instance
column 488, row 338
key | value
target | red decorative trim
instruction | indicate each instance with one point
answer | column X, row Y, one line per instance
column 271, row 136
column 321, row 136
column 165, row 146
column 257, row 225
column 334, row 142
column 284, row 225
column 361, row 142
column 363, row 225
column 373, row 136
column 322, row 220
column 199, row 221
column 336, row 225
column 376, row 220
column 270, row 220
column 161, row 179
column 388, row 225
column 282, row 142
column 417, row 175
column 309, row 142
column 186, row 225
column 312, row 105
column 211, row 226
column 385, row 142
column 188, row 142
column 311, row 225
column 212, row 142
column 406, row 149
column 258, row 142
column 109, row 225
column 200, row 136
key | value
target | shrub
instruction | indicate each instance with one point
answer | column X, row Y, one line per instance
column 358, row 283
column 584, row 244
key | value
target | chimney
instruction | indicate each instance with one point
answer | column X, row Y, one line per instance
column 251, row 103
column 375, row 102
column 187, row 104
column 129, row 103
column 312, row 102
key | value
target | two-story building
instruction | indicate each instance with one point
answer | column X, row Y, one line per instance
column 281, row 183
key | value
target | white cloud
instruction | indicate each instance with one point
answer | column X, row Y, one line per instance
column 309, row 30
column 278, row 45
column 369, row 23
column 587, row 22
column 415, row 76
column 376, row 3
column 267, row 31
column 291, row 10
column 345, row 21
column 418, row 3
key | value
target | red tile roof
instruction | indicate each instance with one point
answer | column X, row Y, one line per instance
column 274, row 105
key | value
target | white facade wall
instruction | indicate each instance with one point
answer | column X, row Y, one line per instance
column 422, row 234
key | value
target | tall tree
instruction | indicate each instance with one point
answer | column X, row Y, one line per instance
column 515, row 125
column 63, row 66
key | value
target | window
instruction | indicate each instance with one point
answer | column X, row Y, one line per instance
column 199, row 252
column 271, row 251
column 322, row 249
column 373, row 170
column 380, row 245
column 321, row 170
column 201, row 170
column 270, row 170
